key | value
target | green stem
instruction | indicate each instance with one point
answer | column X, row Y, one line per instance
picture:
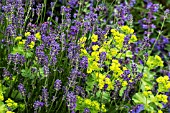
column 158, row 35
column 52, row 102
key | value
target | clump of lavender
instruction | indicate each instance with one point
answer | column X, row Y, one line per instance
column 71, row 101
column 122, row 12
column 146, row 23
column 57, row 85
column 137, row 109
column 45, row 96
column 6, row 73
column 38, row 104
column 21, row 89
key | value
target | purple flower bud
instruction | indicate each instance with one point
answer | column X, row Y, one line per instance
column 86, row 110
column 57, row 85
column 38, row 104
column 71, row 101
column 21, row 89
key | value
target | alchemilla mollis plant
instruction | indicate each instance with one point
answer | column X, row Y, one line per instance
column 84, row 56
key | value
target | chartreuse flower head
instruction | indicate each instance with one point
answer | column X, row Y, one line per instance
column 95, row 47
column 133, row 39
column 38, row 36
column 27, row 34
column 154, row 62
column 92, row 105
column 10, row 112
column 82, row 41
column 94, row 38
column 127, row 30
column 22, row 42
column 11, row 104
column 18, row 38
column 124, row 83
column 160, row 111
column 32, row 44
column 163, row 83
column 1, row 96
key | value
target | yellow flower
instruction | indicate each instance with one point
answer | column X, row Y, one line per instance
column 158, row 61
column 18, row 38
column 100, row 76
column 105, row 36
column 164, row 98
column 32, row 44
column 89, row 70
column 101, row 84
column 84, row 51
column 127, row 30
column 159, row 97
column 149, row 92
column 113, row 51
column 166, row 78
column 133, row 39
column 124, row 83
column 103, row 108
column 1, row 97
column 94, row 38
column 147, row 88
column 21, row 43
column 10, row 112
column 9, row 101
column 95, row 47
column 88, row 102
column 27, row 34
column 160, row 80
column 38, row 36
column 124, row 68
column 15, row 104
column 82, row 39
column 168, row 85
column 145, row 93
column 9, row 104
column 96, row 105
column 102, row 50
column 160, row 111
column 114, row 32
column 108, row 81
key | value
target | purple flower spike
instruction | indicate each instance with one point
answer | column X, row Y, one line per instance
column 21, row 89
column 57, row 84
column 38, row 104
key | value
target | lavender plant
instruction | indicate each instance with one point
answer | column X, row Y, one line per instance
column 84, row 56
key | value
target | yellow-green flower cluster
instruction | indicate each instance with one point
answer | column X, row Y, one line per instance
column 1, row 96
column 102, row 79
column 118, row 38
column 32, row 44
column 126, row 29
column 27, row 34
column 38, row 36
column 115, row 67
column 154, row 62
column 94, row 38
column 133, row 39
column 163, row 83
column 161, row 97
column 10, row 103
column 82, row 41
column 90, row 104
column 20, row 40
column 10, row 112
